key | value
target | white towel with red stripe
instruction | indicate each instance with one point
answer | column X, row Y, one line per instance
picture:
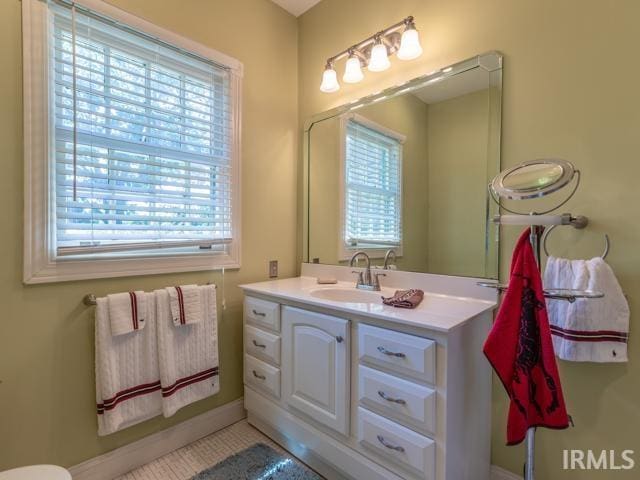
column 188, row 353
column 128, row 388
column 186, row 304
column 127, row 312
column 587, row 330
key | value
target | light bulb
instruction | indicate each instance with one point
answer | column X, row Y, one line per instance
column 379, row 60
column 352, row 71
column 329, row 80
column 410, row 44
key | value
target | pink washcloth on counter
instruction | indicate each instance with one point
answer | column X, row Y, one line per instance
column 405, row 298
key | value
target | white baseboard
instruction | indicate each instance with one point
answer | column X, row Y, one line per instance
column 123, row 459
column 498, row 473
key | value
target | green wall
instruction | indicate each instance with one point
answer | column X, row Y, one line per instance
column 570, row 90
column 47, row 392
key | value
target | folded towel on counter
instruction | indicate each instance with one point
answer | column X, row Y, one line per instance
column 186, row 305
column 127, row 312
column 188, row 354
column 127, row 376
column 405, row 298
column 587, row 330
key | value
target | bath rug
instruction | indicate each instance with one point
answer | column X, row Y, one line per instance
column 258, row 462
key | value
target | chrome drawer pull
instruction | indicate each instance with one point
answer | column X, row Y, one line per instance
column 390, row 446
column 381, row 349
column 259, row 345
column 258, row 314
column 391, row 399
column 257, row 375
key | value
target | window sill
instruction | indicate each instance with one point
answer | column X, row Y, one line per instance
column 73, row 269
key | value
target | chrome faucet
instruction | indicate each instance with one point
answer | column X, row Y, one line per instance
column 387, row 256
column 366, row 280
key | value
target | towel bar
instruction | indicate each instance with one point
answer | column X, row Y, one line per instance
column 89, row 300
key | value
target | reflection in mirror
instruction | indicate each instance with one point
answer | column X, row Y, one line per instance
column 407, row 171
column 532, row 177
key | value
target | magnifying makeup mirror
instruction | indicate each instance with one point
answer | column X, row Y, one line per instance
column 534, row 179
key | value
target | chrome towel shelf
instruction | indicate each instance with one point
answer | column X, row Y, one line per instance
column 551, row 293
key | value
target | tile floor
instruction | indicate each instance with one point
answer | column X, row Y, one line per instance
column 184, row 463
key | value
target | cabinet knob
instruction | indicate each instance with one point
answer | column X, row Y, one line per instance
column 339, row 339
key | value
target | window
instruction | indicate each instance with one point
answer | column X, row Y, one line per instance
column 140, row 147
column 372, row 198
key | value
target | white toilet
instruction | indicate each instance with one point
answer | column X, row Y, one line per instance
column 36, row 472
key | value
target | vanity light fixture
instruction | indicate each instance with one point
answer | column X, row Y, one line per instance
column 410, row 47
column 373, row 53
column 379, row 60
column 329, row 79
column 353, row 68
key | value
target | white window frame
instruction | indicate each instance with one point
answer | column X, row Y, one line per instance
column 40, row 262
column 344, row 251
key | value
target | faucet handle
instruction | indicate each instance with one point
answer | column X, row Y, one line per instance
column 360, row 277
column 376, row 280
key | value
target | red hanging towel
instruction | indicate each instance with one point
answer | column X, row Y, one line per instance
column 520, row 350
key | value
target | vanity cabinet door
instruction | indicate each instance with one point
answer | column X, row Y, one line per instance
column 315, row 366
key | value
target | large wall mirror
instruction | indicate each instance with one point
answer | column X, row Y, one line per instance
column 407, row 170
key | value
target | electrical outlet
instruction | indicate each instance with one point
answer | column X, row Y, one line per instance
column 273, row 268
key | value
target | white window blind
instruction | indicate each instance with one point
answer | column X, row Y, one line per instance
column 141, row 141
column 373, row 200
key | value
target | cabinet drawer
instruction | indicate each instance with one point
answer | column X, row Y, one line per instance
column 404, row 401
column 398, row 352
column 397, row 443
column 262, row 375
column 262, row 313
column 261, row 344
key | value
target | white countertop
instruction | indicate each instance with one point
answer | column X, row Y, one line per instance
column 437, row 311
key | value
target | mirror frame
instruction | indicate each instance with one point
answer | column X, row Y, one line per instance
column 492, row 62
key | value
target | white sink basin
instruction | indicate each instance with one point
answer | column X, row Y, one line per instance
column 347, row 295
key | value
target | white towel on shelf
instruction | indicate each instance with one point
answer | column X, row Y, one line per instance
column 127, row 312
column 127, row 375
column 186, row 304
column 188, row 354
column 587, row 330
